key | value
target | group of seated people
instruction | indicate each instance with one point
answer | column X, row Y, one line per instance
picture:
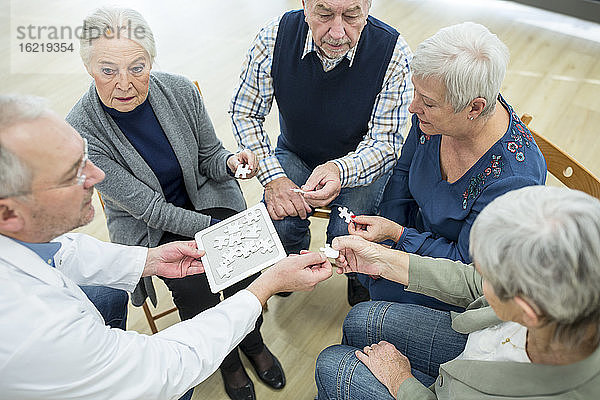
column 469, row 278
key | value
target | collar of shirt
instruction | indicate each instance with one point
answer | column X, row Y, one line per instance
column 46, row 251
column 328, row 64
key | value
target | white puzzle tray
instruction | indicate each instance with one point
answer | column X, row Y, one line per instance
column 238, row 247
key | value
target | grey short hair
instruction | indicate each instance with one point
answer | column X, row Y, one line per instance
column 469, row 60
column 15, row 176
column 543, row 243
column 368, row 2
column 113, row 21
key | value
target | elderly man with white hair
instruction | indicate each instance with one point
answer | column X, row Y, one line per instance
column 53, row 343
column 532, row 324
column 341, row 80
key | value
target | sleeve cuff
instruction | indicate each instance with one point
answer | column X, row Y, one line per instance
column 139, row 262
column 344, row 168
column 412, row 389
column 414, row 273
column 229, row 172
column 269, row 169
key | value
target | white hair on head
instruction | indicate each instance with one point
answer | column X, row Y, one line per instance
column 366, row 1
column 15, row 175
column 468, row 59
column 543, row 243
column 111, row 21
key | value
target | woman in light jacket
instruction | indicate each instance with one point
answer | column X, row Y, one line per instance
column 531, row 328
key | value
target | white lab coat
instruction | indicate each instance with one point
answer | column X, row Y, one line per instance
column 54, row 344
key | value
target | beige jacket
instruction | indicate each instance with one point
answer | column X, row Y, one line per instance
column 456, row 283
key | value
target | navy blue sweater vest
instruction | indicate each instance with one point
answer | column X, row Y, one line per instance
column 324, row 115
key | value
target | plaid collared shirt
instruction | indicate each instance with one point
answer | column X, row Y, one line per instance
column 379, row 148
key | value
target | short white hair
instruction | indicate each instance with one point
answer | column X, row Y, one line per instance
column 16, row 176
column 468, row 59
column 543, row 243
column 110, row 21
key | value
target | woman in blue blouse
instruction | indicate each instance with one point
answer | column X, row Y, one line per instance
column 466, row 147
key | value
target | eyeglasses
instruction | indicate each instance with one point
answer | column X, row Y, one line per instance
column 78, row 180
column 81, row 177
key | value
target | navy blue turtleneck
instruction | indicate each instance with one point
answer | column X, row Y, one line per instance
column 142, row 129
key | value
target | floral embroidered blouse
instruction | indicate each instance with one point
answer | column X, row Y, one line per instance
column 438, row 215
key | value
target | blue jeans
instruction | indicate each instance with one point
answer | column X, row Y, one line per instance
column 112, row 304
column 187, row 395
column 293, row 231
column 422, row 334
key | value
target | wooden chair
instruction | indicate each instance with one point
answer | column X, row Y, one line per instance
column 564, row 167
column 322, row 212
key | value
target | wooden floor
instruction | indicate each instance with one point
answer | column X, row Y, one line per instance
column 554, row 74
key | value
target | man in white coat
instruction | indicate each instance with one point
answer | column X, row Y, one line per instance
column 53, row 342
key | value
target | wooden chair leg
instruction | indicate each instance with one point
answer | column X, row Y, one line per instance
column 149, row 317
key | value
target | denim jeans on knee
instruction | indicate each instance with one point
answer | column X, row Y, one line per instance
column 339, row 375
column 422, row 334
column 111, row 303
column 294, row 232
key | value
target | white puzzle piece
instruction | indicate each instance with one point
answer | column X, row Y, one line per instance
column 220, row 242
column 238, row 247
column 235, row 239
column 329, row 252
column 253, row 216
column 265, row 245
column 242, row 171
column 224, row 270
column 345, row 214
column 252, row 231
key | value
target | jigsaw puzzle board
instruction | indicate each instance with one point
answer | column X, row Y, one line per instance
column 238, row 247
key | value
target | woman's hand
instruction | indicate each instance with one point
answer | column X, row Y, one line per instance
column 246, row 157
column 358, row 255
column 293, row 273
column 362, row 256
column 387, row 364
column 375, row 229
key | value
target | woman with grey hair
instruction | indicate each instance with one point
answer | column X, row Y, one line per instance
column 466, row 147
column 532, row 323
column 167, row 174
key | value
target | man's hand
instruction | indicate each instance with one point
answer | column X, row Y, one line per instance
column 294, row 273
column 323, row 185
column 174, row 260
column 375, row 229
column 281, row 202
column 362, row 256
column 387, row 364
column 245, row 156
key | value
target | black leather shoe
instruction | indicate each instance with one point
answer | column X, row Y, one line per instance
column 245, row 392
column 274, row 376
column 357, row 293
column 283, row 294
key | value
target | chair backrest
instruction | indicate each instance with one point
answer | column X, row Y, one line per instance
column 564, row 167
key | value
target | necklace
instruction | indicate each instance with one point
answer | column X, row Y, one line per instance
column 509, row 341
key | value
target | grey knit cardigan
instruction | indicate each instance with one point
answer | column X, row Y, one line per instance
column 136, row 209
